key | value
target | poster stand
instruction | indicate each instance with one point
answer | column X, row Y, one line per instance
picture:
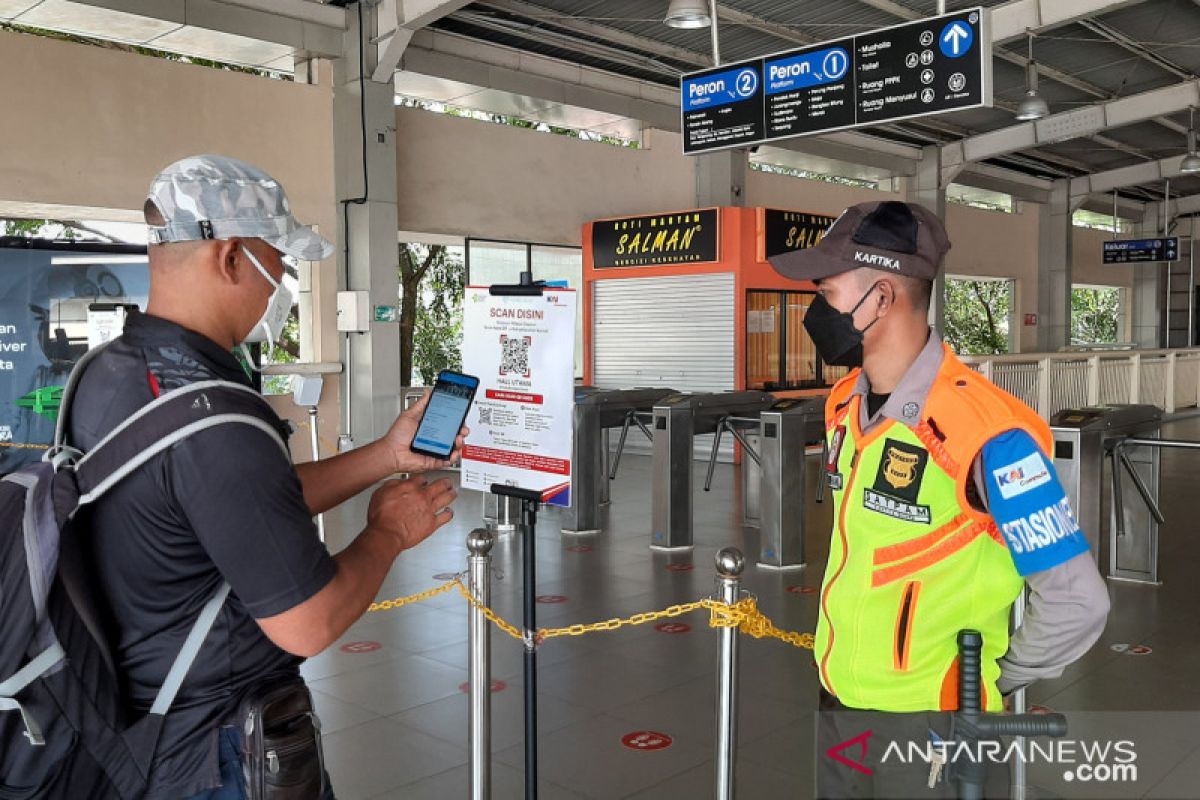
column 530, row 501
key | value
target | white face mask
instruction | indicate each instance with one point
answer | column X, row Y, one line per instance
column 270, row 325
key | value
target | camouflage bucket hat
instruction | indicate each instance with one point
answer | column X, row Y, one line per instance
column 215, row 197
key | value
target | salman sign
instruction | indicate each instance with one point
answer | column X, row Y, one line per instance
column 685, row 237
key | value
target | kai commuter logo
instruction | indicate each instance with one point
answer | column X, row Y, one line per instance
column 1016, row 479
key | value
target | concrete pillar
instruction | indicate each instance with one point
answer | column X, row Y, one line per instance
column 1055, row 236
column 373, row 382
column 721, row 178
column 928, row 188
column 1149, row 284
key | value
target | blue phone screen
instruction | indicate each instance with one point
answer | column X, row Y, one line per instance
column 444, row 415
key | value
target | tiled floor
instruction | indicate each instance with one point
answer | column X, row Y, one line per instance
column 395, row 719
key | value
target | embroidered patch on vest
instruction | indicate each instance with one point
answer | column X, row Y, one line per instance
column 898, row 482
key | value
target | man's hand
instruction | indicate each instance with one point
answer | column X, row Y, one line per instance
column 409, row 511
column 400, row 436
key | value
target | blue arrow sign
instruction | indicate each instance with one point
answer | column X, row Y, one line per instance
column 956, row 39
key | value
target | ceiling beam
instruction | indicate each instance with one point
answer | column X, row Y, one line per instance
column 1137, row 48
column 597, row 31
column 1189, row 204
column 1121, row 177
column 309, row 28
column 396, row 22
column 1082, row 122
column 471, row 61
column 1012, row 20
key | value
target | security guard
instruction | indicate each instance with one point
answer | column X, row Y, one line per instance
column 946, row 505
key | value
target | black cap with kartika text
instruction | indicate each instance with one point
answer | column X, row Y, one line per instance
column 891, row 236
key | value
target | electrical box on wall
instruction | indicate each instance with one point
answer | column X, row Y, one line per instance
column 353, row 312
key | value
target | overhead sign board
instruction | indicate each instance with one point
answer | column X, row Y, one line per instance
column 928, row 66
column 1135, row 251
column 685, row 237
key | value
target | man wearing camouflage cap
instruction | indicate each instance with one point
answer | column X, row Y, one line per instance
column 226, row 504
column 946, row 506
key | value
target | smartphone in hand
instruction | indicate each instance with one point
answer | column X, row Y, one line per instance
column 449, row 403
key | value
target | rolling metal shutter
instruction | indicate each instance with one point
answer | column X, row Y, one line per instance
column 673, row 331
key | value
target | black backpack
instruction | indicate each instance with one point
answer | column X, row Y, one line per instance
column 64, row 730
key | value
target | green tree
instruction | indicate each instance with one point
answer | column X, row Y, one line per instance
column 45, row 229
column 976, row 320
column 1094, row 316
column 431, row 292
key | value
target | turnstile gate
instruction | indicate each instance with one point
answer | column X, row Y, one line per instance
column 678, row 419
column 597, row 411
column 1114, row 448
column 783, row 480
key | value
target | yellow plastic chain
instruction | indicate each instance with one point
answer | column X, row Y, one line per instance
column 388, row 605
column 743, row 615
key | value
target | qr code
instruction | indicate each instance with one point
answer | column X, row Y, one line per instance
column 485, row 416
column 514, row 356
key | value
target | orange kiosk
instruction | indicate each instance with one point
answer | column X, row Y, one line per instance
column 688, row 300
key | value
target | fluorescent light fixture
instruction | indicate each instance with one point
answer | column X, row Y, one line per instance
column 688, row 14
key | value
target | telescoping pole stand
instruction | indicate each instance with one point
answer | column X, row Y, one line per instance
column 479, row 664
column 970, row 724
column 730, row 565
column 530, row 500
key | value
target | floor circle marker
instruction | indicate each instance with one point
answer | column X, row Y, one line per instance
column 646, row 740
column 497, row 686
column 360, row 647
column 551, row 599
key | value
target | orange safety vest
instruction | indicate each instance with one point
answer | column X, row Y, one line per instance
column 911, row 562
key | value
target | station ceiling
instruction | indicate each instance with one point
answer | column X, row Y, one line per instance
column 1132, row 49
column 1119, row 77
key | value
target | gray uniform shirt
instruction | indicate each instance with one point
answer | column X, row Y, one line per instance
column 1068, row 604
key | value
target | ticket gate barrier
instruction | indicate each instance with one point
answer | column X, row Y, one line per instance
column 597, row 411
column 678, row 419
column 781, row 479
column 1114, row 448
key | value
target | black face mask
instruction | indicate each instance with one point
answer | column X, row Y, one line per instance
column 838, row 342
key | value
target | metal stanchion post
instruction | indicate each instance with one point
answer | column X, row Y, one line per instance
column 530, row 500
column 316, row 454
column 479, row 666
column 730, row 563
column 1019, row 776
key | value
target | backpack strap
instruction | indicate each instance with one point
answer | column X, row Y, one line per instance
column 26, row 675
column 64, row 407
column 165, row 422
column 187, row 654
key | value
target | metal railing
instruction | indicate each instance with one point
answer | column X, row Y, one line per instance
column 1050, row 382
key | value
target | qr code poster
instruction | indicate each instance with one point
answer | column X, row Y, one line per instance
column 514, row 355
column 522, row 349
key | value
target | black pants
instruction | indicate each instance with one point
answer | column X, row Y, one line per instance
column 883, row 754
